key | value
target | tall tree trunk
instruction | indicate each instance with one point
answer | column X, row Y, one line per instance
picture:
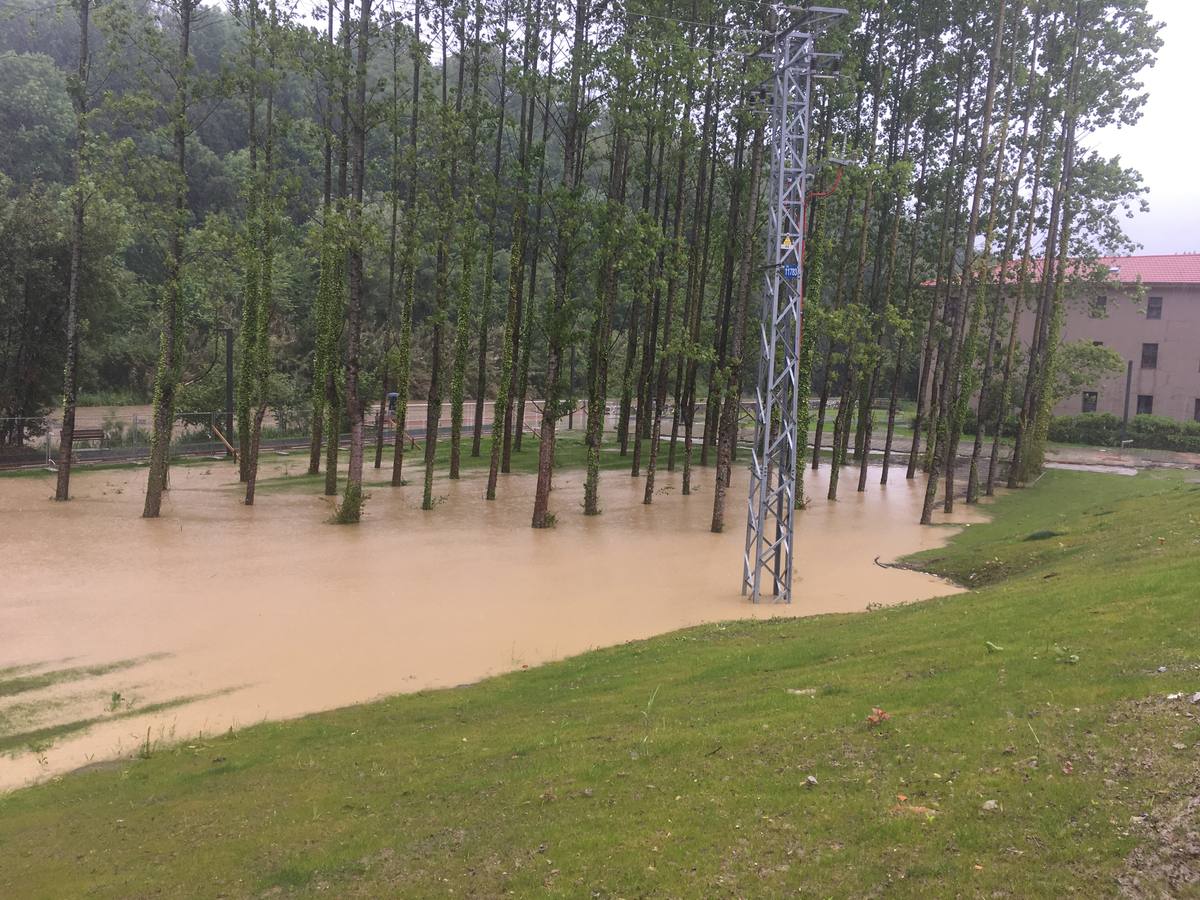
column 409, row 267
column 251, row 260
column 502, row 418
column 520, row 317
column 489, row 274
column 568, row 226
column 350, row 510
column 732, row 378
column 259, row 358
column 1019, row 298
column 827, row 376
column 625, row 409
column 902, row 340
column 393, row 232
column 955, row 176
column 602, row 327
column 960, row 353
column 664, row 353
column 535, row 254
column 166, row 378
column 697, row 276
column 338, row 288
column 79, row 100
column 644, row 419
column 729, row 261
column 986, row 279
column 463, row 317
column 441, row 288
column 319, row 385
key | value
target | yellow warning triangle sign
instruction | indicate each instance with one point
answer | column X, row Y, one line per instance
column 787, row 242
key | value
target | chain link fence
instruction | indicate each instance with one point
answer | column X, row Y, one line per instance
column 122, row 434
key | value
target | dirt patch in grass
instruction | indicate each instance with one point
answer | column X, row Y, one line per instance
column 1169, row 864
column 1166, row 862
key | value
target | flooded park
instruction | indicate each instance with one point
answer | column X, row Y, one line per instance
column 123, row 634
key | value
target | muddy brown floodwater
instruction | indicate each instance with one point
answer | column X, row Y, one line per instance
column 114, row 628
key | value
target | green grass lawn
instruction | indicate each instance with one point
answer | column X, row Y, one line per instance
column 570, row 452
column 1028, row 724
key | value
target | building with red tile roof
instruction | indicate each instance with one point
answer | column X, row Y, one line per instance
column 1169, row 268
column 1149, row 312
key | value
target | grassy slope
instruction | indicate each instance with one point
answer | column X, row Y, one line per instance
column 677, row 766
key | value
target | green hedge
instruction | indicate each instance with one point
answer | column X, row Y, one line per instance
column 1147, row 432
column 1008, row 428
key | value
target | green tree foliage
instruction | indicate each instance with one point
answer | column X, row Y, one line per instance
column 558, row 181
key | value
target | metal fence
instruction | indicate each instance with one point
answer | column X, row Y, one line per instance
column 124, row 434
column 116, row 434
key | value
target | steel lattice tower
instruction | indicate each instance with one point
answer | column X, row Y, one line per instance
column 771, row 510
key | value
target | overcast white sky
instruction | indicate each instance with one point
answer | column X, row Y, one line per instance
column 1165, row 145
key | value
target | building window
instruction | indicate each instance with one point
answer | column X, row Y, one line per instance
column 1154, row 308
column 1089, row 401
column 1099, row 307
column 1145, row 405
column 1196, row 414
column 1149, row 356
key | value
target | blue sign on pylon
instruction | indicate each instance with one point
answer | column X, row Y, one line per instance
column 791, row 271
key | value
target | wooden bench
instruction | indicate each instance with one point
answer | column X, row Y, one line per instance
column 87, row 434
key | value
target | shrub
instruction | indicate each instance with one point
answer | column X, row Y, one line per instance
column 1008, row 426
column 1145, row 432
column 1161, row 433
column 1094, row 429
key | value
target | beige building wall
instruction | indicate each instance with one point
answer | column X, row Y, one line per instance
column 1173, row 384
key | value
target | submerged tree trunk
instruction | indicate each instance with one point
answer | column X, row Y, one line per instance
column 463, row 317
column 664, row 354
column 251, row 260
column 79, row 100
column 535, row 254
column 350, row 510
column 465, row 306
column 409, row 267
column 489, row 273
column 258, row 357
column 697, row 278
column 448, row 184
column 166, row 378
column 393, row 238
column 319, row 387
column 644, row 419
column 520, row 316
column 501, row 446
column 732, row 378
column 568, row 226
column 602, row 328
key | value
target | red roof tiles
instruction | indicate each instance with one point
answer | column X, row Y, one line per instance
column 1175, row 268
column 1164, row 268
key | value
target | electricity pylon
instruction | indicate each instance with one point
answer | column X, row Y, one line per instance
column 771, row 509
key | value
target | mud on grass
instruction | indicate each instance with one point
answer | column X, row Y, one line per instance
column 43, row 703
